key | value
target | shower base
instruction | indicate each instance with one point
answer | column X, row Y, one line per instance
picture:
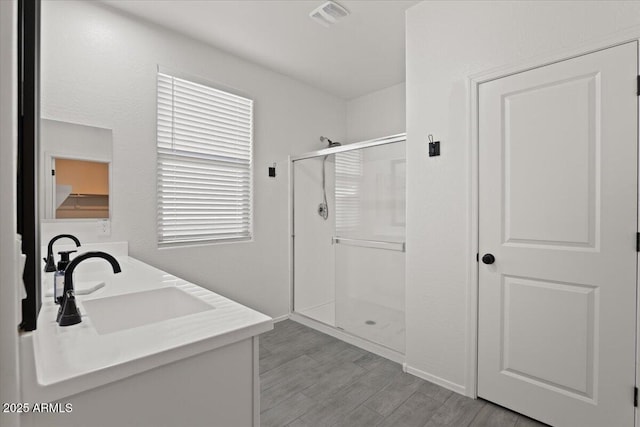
column 372, row 322
column 325, row 313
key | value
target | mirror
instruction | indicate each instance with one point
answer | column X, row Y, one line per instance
column 76, row 165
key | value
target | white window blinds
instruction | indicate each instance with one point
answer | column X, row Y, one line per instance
column 349, row 176
column 204, row 163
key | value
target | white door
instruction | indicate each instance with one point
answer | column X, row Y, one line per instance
column 558, row 212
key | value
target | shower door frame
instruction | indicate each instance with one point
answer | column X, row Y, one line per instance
column 401, row 137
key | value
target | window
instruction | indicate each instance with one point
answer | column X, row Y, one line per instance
column 348, row 191
column 205, row 138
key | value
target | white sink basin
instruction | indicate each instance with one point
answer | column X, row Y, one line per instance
column 128, row 311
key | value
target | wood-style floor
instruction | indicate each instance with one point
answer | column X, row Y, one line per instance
column 309, row 379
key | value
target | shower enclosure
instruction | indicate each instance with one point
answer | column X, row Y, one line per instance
column 348, row 242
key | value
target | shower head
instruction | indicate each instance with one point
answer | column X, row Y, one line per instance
column 330, row 142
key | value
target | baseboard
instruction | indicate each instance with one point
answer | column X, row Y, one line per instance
column 457, row 388
column 369, row 346
column 280, row 318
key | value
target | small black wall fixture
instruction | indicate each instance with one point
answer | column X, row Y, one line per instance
column 272, row 171
column 434, row 147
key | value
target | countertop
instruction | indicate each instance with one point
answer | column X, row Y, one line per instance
column 68, row 360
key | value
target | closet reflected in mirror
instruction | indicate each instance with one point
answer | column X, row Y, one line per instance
column 76, row 161
column 81, row 189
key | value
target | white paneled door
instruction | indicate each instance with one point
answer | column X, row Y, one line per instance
column 557, row 222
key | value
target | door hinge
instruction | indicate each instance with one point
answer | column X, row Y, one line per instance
column 53, row 172
column 635, row 397
column 638, row 87
column 637, row 242
column 477, row 257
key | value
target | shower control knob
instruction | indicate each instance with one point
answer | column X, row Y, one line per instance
column 488, row 259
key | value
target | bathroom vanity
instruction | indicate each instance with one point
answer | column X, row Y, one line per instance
column 151, row 350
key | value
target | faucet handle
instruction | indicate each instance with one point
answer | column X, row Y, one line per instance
column 50, row 264
column 69, row 314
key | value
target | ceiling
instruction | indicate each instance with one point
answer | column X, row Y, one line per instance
column 362, row 53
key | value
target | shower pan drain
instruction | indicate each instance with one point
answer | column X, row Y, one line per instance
column 370, row 322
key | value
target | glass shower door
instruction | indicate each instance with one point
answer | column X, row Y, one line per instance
column 369, row 243
column 313, row 262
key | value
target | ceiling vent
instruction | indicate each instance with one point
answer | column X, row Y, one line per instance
column 328, row 13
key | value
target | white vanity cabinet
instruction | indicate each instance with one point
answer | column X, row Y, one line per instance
column 215, row 388
column 192, row 370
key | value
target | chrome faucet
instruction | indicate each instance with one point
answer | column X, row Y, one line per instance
column 50, row 260
column 68, row 314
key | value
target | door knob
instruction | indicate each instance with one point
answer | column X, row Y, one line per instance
column 488, row 259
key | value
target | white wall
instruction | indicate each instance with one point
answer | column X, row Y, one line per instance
column 447, row 42
column 9, row 248
column 99, row 69
column 377, row 114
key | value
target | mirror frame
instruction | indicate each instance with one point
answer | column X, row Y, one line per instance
column 28, row 211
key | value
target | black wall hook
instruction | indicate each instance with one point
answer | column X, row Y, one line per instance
column 434, row 147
